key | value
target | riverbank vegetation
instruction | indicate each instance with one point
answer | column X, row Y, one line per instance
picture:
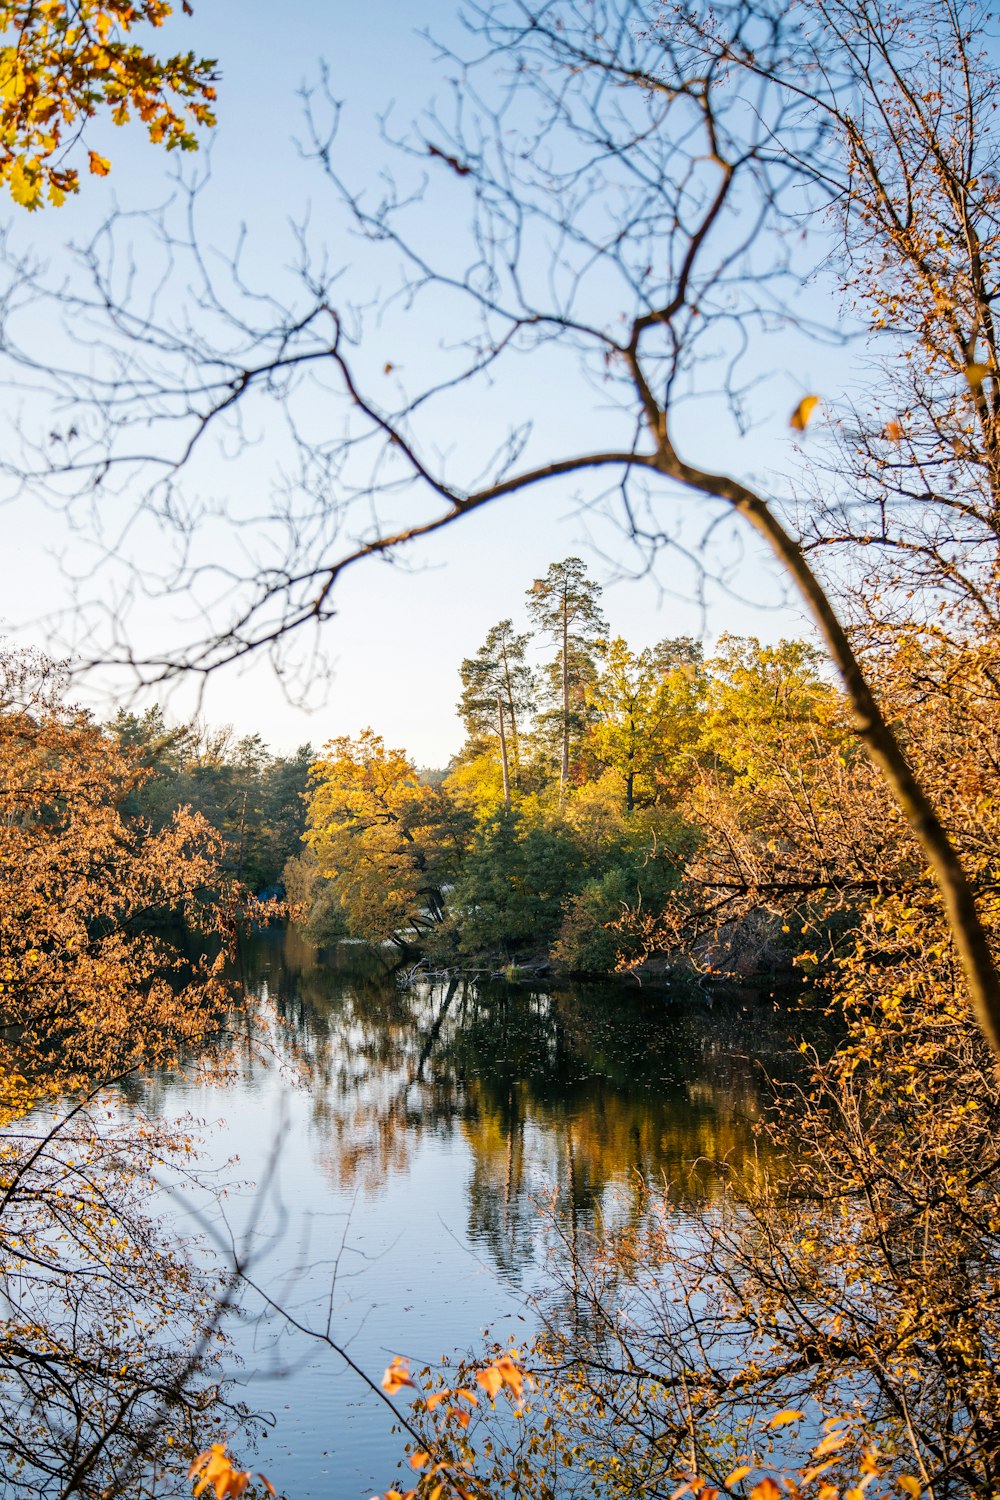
column 112, row 936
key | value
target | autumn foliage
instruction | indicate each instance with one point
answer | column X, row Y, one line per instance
column 110, row 1328
column 90, row 984
column 63, row 64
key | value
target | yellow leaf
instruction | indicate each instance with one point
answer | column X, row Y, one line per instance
column 802, row 415
column 766, row 1490
column 782, row 1418
column 99, row 165
column 24, row 184
column 909, row 1485
column 975, row 374
column 738, row 1474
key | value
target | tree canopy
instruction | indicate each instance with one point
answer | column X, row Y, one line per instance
column 64, row 63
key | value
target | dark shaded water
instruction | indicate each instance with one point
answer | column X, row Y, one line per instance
column 400, row 1159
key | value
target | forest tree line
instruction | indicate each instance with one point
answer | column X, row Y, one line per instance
column 609, row 805
column 580, row 796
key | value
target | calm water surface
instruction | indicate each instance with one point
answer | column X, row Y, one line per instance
column 397, row 1164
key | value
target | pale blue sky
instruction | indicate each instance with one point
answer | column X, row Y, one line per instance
column 402, row 630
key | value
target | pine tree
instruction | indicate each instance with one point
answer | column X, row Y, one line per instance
column 497, row 689
column 565, row 605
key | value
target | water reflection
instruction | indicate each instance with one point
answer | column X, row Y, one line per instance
column 424, row 1151
column 564, row 1094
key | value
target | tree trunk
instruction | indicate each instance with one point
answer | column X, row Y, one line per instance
column 503, row 754
column 564, row 767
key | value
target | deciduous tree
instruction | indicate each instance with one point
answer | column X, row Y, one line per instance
column 109, row 1329
column 382, row 836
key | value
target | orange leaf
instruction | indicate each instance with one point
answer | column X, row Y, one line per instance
column 738, row 1474
column 830, row 1444
column 396, row 1376
column 782, row 1418
column 909, row 1485
column 511, row 1374
column 893, row 432
column 490, row 1379
column 99, row 165
column 419, row 1460
column 436, row 1399
column 766, row 1490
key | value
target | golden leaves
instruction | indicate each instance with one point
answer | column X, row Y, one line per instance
column 24, row 183
column 215, row 1470
column 441, row 1471
column 893, row 431
column 803, row 413
column 65, row 64
column 502, row 1372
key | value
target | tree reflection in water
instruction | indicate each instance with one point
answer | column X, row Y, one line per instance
column 564, row 1098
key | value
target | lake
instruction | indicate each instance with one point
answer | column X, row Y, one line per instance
column 392, row 1169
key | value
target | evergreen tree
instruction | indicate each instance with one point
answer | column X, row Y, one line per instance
column 497, row 689
column 565, row 605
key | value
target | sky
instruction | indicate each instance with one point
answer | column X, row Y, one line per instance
column 403, row 628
